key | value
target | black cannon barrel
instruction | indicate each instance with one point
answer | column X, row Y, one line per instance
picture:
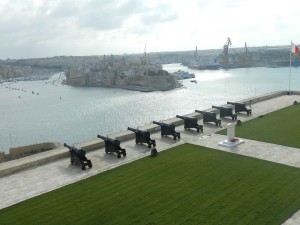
column 171, row 126
column 158, row 123
column 236, row 103
column 232, row 103
column 218, row 107
column 138, row 131
column 205, row 112
column 107, row 139
column 133, row 129
column 71, row 147
column 199, row 111
column 102, row 137
column 222, row 108
column 182, row 117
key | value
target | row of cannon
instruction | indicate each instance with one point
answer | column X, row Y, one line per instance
column 113, row 146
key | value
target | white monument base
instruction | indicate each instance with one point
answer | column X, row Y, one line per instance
column 231, row 141
column 230, row 144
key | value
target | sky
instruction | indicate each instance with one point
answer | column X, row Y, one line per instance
column 47, row 28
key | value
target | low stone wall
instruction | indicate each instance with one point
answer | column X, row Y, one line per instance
column 20, row 152
column 265, row 97
column 33, row 149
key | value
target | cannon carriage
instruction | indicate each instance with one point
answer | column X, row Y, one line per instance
column 209, row 117
column 168, row 129
column 191, row 122
column 112, row 146
column 142, row 136
column 77, row 157
column 240, row 107
column 226, row 111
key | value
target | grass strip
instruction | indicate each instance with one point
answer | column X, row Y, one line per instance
column 187, row 184
column 279, row 127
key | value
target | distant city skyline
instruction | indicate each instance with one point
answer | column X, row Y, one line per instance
column 40, row 28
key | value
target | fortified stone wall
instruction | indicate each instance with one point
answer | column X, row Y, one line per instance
column 19, row 152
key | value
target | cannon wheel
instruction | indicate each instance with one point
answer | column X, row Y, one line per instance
column 90, row 164
column 119, row 154
column 149, row 145
column 124, row 153
column 174, row 137
column 197, row 130
column 83, row 167
column 179, row 136
column 154, row 144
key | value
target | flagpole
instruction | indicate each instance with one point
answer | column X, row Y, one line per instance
column 290, row 69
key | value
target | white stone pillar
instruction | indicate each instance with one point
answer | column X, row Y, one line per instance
column 231, row 141
column 230, row 131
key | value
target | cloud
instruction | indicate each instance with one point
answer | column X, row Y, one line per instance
column 34, row 28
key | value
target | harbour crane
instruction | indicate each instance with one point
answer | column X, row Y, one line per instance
column 225, row 50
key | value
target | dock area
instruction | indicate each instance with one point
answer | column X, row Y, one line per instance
column 37, row 174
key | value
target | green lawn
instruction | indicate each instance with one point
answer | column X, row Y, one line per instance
column 187, row 184
column 280, row 127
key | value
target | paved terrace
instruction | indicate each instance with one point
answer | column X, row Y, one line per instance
column 50, row 170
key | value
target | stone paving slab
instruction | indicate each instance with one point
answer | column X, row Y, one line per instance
column 44, row 178
column 256, row 149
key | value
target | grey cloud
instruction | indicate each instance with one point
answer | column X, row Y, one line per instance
column 105, row 15
column 158, row 17
column 32, row 28
column 110, row 15
column 149, row 19
column 65, row 8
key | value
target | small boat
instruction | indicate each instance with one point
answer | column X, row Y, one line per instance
column 180, row 75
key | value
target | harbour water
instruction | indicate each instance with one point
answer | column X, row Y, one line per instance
column 50, row 111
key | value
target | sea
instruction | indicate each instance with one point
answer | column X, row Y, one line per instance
column 46, row 110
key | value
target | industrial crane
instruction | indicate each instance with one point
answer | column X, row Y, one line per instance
column 225, row 57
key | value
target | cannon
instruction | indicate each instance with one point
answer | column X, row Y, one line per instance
column 209, row 117
column 112, row 145
column 168, row 129
column 191, row 122
column 240, row 107
column 77, row 156
column 142, row 136
column 226, row 111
